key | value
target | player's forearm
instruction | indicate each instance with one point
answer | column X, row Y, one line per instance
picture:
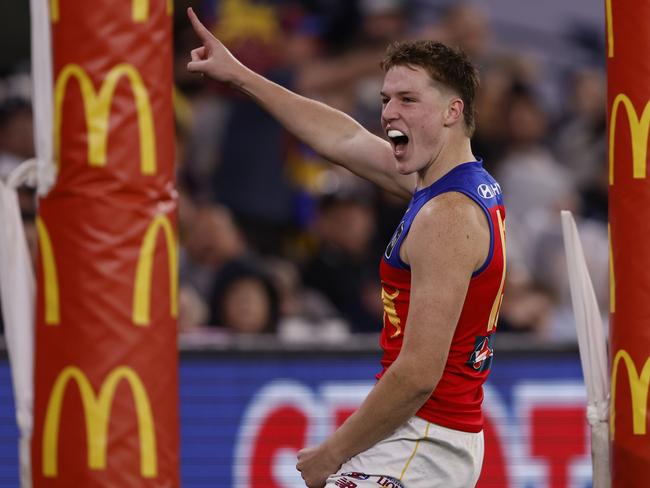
column 398, row 395
column 321, row 127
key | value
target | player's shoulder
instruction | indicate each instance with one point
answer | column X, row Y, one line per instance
column 455, row 226
column 447, row 230
column 449, row 209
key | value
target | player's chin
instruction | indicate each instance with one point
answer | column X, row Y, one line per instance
column 403, row 167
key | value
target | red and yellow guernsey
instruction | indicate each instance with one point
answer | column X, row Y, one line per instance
column 456, row 401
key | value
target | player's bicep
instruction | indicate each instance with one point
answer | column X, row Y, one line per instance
column 442, row 249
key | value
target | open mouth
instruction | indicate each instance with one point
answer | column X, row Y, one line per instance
column 399, row 140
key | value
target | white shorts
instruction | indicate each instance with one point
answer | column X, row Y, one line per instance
column 419, row 454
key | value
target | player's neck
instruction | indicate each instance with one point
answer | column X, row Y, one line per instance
column 454, row 152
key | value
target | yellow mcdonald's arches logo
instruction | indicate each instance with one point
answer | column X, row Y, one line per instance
column 142, row 289
column 97, row 413
column 496, row 306
column 50, row 276
column 390, row 311
column 612, row 276
column 97, row 107
column 638, row 389
column 139, row 10
column 638, row 132
column 610, row 28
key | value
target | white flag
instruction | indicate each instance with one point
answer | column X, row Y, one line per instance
column 593, row 350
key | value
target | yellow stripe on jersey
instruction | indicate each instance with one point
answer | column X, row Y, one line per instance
column 496, row 306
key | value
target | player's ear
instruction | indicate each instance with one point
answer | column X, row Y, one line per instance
column 454, row 111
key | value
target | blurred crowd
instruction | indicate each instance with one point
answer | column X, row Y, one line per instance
column 273, row 239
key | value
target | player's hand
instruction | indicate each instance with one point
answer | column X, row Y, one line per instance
column 316, row 464
column 212, row 58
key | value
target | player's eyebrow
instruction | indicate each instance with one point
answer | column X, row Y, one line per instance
column 399, row 93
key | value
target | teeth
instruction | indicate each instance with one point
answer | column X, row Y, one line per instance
column 396, row 133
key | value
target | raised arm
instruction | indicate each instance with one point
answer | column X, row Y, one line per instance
column 333, row 134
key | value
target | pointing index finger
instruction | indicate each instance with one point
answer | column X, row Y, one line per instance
column 201, row 30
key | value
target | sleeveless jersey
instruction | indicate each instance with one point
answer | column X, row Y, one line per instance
column 456, row 401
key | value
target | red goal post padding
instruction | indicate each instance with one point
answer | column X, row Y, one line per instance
column 628, row 102
column 106, row 367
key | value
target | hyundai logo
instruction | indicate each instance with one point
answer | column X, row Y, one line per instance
column 489, row 191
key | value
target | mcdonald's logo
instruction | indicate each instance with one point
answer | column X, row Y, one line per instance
column 143, row 275
column 638, row 133
column 638, row 391
column 612, row 275
column 142, row 288
column 50, row 276
column 97, row 107
column 610, row 28
column 97, row 413
column 139, row 10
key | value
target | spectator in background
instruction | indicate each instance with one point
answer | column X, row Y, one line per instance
column 306, row 316
column 549, row 268
column 581, row 139
column 527, row 306
column 500, row 77
column 329, row 50
column 193, row 313
column 17, row 145
column 467, row 25
column 343, row 267
column 210, row 240
column 248, row 174
column 533, row 181
column 548, row 264
column 536, row 188
column 383, row 21
column 16, row 134
column 244, row 299
column 200, row 113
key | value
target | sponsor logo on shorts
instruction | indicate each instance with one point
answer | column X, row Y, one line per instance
column 389, row 482
column 345, row 483
column 481, row 358
column 357, row 476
